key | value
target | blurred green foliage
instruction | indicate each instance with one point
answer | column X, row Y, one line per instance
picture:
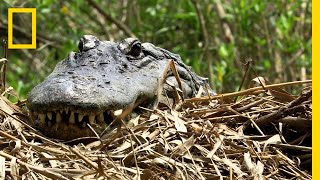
column 214, row 37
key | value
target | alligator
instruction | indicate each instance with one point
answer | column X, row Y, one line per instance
column 89, row 88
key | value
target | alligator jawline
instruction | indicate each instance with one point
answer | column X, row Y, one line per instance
column 77, row 119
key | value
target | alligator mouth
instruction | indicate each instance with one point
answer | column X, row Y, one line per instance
column 73, row 118
column 68, row 124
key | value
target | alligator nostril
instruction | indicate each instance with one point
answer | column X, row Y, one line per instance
column 87, row 42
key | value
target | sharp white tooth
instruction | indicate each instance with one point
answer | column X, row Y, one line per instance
column 100, row 117
column 80, row 117
column 117, row 112
column 42, row 118
column 49, row 114
column 91, row 119
column 71, row 118
column 58, row 117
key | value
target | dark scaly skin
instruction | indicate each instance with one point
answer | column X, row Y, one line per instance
column 100, row 78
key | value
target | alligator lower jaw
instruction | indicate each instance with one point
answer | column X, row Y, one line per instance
column 68, row 125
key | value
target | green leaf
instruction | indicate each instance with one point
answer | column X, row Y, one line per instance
column 223, row 52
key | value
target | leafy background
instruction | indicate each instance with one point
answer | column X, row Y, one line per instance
column 215, row 37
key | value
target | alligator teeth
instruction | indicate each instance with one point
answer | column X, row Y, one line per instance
column 49, row 114
column 100, row 117
column 80, row 117
column 91, row 119
column 117, row 112
column 71, row 118
column 42, row 118
column 67, row 116
column 58, row 117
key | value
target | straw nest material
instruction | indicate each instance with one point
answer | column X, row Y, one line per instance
column 265, row 133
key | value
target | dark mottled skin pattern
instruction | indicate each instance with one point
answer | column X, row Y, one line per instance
column 101, row 77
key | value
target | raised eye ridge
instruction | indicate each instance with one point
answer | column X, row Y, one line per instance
column 131, row 47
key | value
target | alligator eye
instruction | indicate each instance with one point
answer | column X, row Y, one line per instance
column 135, row 49
column 80, row 46
column 131, row 47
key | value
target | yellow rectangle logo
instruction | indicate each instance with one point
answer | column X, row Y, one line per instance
column 33, row 12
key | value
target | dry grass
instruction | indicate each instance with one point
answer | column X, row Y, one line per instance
column 261, row 135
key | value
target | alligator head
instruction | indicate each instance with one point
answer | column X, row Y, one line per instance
column 90, row 85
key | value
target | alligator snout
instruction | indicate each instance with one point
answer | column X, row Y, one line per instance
column 72, row 101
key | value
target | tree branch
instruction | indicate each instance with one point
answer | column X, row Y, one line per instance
column 227, row 30
column 99, row 23
column 205, row 40
column 120, row 25
column 40, row 37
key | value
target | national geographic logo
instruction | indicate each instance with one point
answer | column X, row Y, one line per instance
column 33, row 44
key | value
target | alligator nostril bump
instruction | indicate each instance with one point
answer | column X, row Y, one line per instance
column 87, row 42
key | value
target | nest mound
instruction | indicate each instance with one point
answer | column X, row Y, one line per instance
column 261, row 135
